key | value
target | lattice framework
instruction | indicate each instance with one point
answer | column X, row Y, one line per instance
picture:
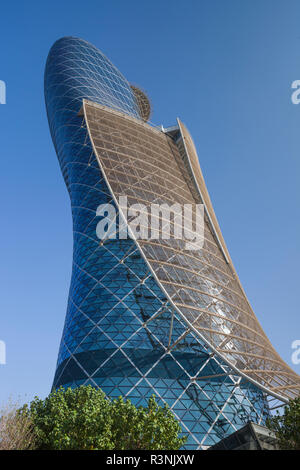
column 149, row 167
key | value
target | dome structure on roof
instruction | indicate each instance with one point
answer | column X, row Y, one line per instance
column 143, row 103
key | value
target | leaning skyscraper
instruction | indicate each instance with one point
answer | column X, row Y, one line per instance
column 147, row 316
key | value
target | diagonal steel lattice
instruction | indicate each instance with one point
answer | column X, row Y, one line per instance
column 146, row 316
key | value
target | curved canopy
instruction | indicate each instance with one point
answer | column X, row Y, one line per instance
column 149, row 166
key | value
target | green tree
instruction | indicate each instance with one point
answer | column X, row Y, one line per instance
column 83, row 418
column 287, row 426
column 71, row 419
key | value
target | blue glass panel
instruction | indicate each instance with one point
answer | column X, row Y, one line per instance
column 117, row 328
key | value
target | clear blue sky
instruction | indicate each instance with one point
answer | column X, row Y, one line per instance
column 225, row 68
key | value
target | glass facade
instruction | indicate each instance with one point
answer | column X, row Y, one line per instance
column 122, row 332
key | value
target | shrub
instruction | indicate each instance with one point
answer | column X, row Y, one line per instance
column 16, row 429
column 287, row 426
column 82, row 418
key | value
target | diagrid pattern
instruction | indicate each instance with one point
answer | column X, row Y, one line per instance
column 201, row 284
column 146, row 318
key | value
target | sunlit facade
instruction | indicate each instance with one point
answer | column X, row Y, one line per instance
column 146, row 316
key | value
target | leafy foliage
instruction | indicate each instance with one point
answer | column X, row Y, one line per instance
column 287, row 426
column 83, row 418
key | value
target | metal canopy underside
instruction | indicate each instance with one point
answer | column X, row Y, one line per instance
column 148, row 166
